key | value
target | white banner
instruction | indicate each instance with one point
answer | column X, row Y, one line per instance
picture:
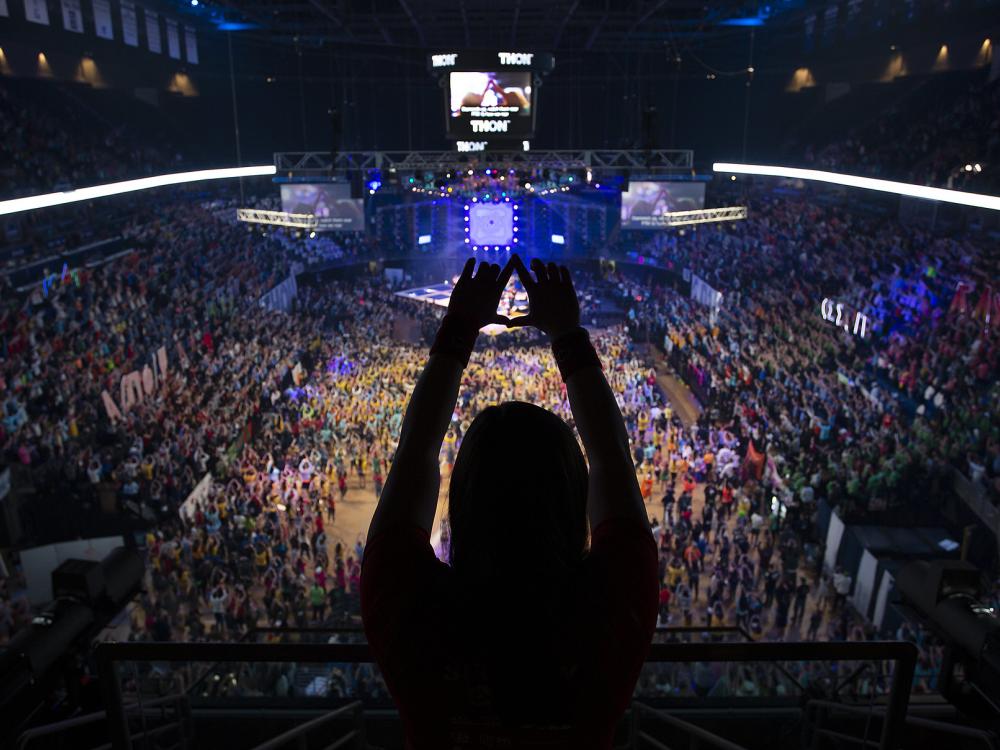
column 280, row 298
column 703, row 293
column 130, row 24
column 882, row 598
column 834, row 535
column 4, row 10
column 864, row 584
column 173, row 39
column 153, row 37
column 36, row 11
column 191, row 42
column 102, row 19
column 199, row 493
column 72, row 17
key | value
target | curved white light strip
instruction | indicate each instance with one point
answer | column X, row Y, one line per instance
column 128, row 186
column 977, row 200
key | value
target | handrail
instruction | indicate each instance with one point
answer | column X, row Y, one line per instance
column 989, row 738
column 903, row 653
column 692, row 729
column 300, row 730
column 79, row 721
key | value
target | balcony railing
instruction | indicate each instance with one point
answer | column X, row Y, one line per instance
column 319, row 678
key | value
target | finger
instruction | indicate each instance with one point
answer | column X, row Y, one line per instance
column 564, row 275
column 539, row 268
column 467, row 269
column 553, row 271
column 520, row 321
column 522, row 273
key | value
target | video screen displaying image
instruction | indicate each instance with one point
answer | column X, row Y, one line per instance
column 496, row 104
column 491, row 224
column 331, row 203
column 643, row 202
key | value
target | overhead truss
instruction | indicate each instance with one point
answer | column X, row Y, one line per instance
column 701, row 216
column 293, row 163
column 277, row 218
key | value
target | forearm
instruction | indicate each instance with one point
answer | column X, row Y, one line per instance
column 613, row 491
column 411, row 487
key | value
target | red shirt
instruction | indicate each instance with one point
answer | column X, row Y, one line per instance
column 410, row 607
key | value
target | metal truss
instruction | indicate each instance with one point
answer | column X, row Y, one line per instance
column 701, row 216
column 277, row 218
column 314, row 162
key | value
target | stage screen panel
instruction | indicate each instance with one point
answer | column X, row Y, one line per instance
column 491, row 224
column 490, row 104
column 331, row 203
column 643, row 202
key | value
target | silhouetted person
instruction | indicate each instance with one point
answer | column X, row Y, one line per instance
column 530, row 637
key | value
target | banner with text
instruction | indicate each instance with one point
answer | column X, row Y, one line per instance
column 36, row 11
column 191, row 43
column 102, row 19
column 130, row 24
column 72, row 17
column 173, row 39
column 153, row 37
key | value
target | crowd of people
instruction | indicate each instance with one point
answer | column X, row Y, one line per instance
column 262, row 420
column 927, row 145
column 50, row 141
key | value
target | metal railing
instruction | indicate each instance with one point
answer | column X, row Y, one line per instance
column 300, row 733
column 109, row 655
column 817, row 712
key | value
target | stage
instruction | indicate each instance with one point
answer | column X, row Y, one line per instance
column 513, row 302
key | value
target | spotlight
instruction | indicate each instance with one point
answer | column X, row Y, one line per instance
column 312, row 235
column 977, row 168
column 194, row 3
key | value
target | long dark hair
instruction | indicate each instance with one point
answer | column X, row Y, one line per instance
column 517, row 510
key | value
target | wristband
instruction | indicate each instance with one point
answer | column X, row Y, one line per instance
column 573, row 351
column 455, row 338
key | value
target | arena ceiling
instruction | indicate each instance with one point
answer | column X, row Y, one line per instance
column 542, row 25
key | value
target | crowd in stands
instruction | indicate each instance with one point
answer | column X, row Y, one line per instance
column 861, row 421
column 927, row 145
column 287, row 410
column 60, row 144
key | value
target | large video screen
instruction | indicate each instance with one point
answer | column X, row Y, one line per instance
column 490, row 104
column 331, row 203
column 491, row 224
column 644, row 202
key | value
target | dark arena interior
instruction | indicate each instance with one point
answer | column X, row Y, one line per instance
column 460, row 374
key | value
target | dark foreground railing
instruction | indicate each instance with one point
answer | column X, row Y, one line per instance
column 113, row 659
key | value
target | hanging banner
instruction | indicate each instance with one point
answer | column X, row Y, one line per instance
column 102, row 19
column 36, row 11
column 72, row 17
column 130, row 24
column 4, row 10
column 191, row 43
column 153, row 37
column 173, row 39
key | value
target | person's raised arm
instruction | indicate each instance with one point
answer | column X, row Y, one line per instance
column 613, row 491
column 411, row 488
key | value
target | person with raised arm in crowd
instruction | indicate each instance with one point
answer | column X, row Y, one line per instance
column 536, row 645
